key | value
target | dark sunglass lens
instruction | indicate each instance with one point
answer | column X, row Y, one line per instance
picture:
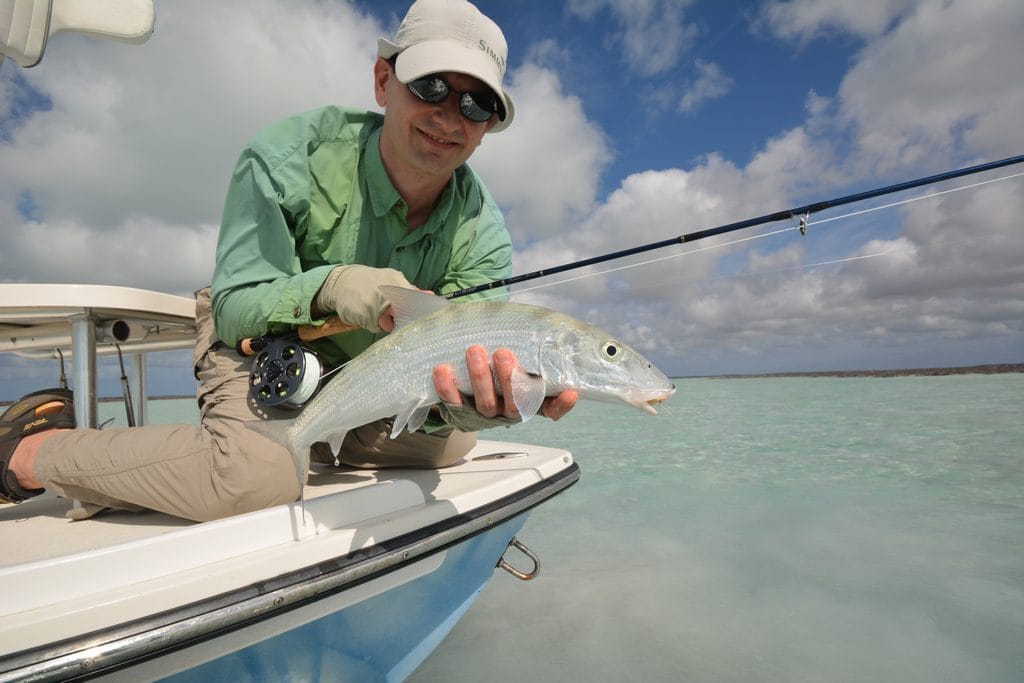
column 429, row 89
column 477, row 107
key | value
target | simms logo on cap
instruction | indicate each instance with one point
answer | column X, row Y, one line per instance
column 499, row 59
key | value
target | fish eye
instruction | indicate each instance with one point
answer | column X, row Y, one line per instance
column 611, row 350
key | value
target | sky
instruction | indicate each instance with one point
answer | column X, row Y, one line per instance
column 636, row 121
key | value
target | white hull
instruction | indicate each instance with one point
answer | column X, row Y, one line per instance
column 360, row 584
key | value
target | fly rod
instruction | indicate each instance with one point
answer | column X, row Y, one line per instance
column 802, row 212
column 335, row 326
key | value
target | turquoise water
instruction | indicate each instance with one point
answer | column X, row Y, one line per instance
column 853, row 529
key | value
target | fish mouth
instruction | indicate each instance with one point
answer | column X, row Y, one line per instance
column 646, row 400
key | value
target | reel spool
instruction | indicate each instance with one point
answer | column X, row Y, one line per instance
column 284, row 374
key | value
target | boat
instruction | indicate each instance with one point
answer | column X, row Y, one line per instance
column 361, row 582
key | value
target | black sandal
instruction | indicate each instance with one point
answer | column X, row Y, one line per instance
column 30, row 414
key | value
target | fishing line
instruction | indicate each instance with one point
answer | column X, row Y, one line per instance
column 735, row 276
column 802, row 213
column 776, row 271
column 653, row 260
column 915, row 199
column 802, row 228
column 848, row 259
column 917, row 249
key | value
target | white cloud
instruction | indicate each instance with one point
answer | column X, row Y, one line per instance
column 528, row 166
column 944, row 83
column 804, row 20
column 654, row 33
column 952, row 247
column 933, row 79
column 140, row 140
column 135, row 252
column 711, row 83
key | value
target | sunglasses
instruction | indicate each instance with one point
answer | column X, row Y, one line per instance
column 477, row 106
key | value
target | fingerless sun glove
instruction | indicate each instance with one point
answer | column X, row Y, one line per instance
column 352, row 292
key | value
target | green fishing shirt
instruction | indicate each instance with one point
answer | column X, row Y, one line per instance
column 311, row 192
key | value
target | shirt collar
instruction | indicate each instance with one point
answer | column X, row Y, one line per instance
column 383, row 194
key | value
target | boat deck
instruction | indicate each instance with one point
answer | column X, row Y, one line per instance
column 140, row 563
column 38, row 529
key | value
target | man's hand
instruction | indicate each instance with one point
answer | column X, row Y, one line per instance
column 486, row 400
column 352, row 293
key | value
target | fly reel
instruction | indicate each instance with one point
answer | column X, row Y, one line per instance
column 283, row 374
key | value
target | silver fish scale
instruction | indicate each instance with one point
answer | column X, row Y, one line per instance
column 370, row 388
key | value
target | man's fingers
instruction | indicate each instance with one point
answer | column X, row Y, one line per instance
column 504, row 364
column 557, row 406
column 386, row 321
column 445, row 385
column 492, row 389
column 482, row 380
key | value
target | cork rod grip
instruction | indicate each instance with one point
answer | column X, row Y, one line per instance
column 333, row 325
column 250, row 346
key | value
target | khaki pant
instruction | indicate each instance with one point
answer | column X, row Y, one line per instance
column 220, row 467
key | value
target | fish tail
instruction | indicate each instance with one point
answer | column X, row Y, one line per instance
column 279, row 431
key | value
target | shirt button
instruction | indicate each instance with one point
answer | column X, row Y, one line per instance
column 297, row 312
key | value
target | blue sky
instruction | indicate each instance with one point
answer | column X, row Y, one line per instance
column 639, row 109
column 636, row 121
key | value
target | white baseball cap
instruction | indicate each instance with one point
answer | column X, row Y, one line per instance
column 450, row 35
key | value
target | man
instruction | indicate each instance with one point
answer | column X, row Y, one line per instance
column 322, row 209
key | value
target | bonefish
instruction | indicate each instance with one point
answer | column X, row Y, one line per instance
column 394, row 377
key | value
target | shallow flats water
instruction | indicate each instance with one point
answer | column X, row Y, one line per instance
column 799, row 529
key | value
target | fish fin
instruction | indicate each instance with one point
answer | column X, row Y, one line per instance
column 279, row 431
column 412, row 417
column 528, row 392
column 408, row 305
column 418, row 417
column 335, row 440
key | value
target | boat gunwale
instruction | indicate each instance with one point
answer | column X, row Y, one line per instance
column 132, row 642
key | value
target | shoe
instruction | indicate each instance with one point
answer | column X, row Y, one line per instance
column 33, row 413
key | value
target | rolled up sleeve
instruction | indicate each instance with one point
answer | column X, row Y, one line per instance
column 258, row 283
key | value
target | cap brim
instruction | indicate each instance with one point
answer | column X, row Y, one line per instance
column 433, row 57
